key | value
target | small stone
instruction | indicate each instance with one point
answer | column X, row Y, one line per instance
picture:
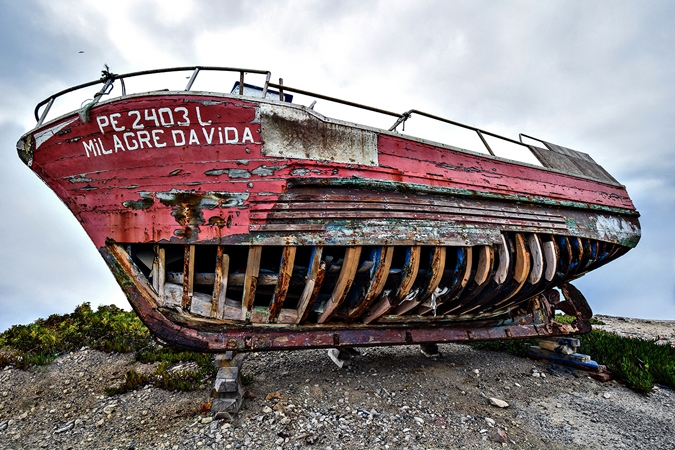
column 23, row 416
column 273, row 395
column 65, row 428
column 498, row 402
column 206, row 420
column 267, row 410
column 536, row 374
column 490, row 421
column 606, row 395
column 419, row 421
column 108, row 409
column 100, row 422
column 4, row 393
column 498, row 435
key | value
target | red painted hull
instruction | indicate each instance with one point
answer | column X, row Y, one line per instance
column 179, row 170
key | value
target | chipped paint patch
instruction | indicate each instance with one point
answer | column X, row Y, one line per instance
column 82, row 178
column 145, row 202
column 295, row 133
column 618, row 229
column 187, row 207
column 266, row 171
column 304, row 171
column 232, row 173
column 42, row 136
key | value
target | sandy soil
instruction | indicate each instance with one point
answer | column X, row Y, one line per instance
column 389, row 398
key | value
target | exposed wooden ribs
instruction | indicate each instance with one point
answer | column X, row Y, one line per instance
column 313, row 286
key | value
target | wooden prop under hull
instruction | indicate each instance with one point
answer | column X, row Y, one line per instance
column 216, row 298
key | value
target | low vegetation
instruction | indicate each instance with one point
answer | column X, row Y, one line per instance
column 637, row 362
column 108, row 329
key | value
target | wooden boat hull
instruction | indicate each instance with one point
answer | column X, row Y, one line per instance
column 240, row 223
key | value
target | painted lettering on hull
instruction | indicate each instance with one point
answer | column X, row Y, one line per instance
column 157, row 128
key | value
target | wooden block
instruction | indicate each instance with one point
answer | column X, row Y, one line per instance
column 601, row 376
column 555, row 347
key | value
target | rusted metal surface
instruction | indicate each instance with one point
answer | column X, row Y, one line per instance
column 244, row 223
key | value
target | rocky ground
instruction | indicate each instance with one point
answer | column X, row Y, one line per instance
column 389, row 398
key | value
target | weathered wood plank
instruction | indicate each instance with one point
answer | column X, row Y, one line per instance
column 392, row 299
column 435, row 273
column 188, row 276
column 343, row 283
column 250, row 281
column 315, row 274
column 285, row 272
column 378, row 278
column 551, row 257
column 220, row 283
column 534, row 243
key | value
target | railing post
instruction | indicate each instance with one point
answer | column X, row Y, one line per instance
column 44, row 113
column 281, row 90
column 480, row 135
column 241, row 83
column 267, row 82
column 192, row 79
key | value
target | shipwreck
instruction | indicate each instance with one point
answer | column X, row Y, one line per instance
column 241, row 221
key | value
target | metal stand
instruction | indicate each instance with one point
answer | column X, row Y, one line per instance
column 430, row 350
column 228, row 392
column 342, row 356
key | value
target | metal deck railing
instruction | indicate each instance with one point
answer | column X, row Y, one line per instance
column 108, row 79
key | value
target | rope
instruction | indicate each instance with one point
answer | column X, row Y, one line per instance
column 108, row 78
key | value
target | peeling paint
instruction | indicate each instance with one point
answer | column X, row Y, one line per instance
column 232, row 173
column 79, row 179
column 266, row 171
column 145, row 202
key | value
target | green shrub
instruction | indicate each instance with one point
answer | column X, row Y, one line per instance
column 639, row 362
column 108, row 329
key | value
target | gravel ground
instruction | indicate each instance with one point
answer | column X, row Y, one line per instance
column 389, row 398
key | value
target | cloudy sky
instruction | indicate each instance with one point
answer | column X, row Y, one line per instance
column 594, row 76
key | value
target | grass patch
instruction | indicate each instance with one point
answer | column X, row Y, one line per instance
column 108, row 329
column 565, row 318
column 638, row 362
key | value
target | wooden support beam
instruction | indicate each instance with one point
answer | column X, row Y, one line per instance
column 220, row 283
column 315, row 274
column 480, row 279
column 534, row 243
column 343, row 283
column 378, row 277
column 154, row 273
column 250, row 281
column 522, row 269
column 391, row 299
column 435, row 273
column 188, row 277
column 284, row 280
column 551, row 258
